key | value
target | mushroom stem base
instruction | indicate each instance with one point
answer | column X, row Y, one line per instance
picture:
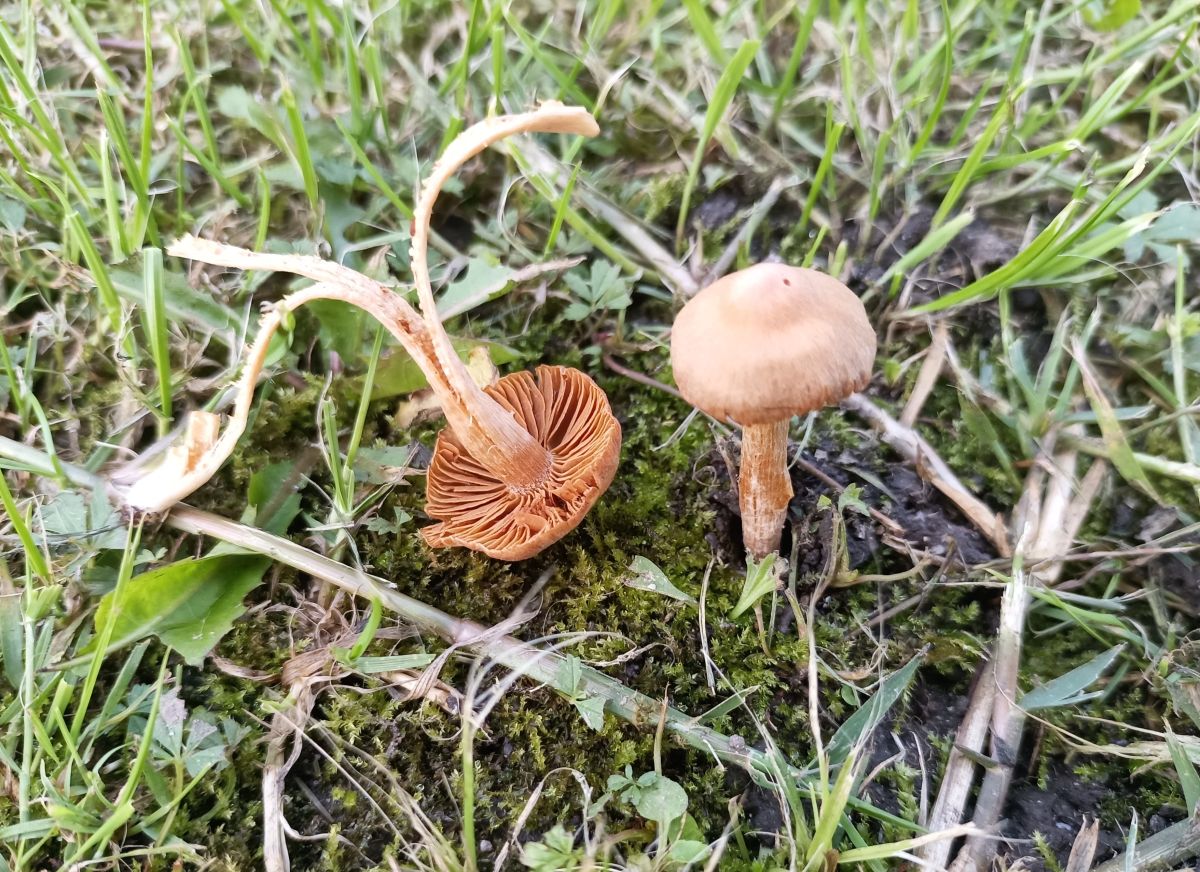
column 764, row 487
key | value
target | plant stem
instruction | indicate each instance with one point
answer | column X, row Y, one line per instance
column 1164, row 850
column 467, row 741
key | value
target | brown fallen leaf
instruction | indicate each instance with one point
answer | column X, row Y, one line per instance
column 1083, row 851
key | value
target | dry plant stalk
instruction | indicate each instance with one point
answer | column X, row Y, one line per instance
column 927, row 378
column 1047, row 520
column 521, row 462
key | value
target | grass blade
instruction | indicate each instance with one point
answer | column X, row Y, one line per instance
column 723, row 94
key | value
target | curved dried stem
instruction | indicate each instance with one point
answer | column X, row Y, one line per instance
column 334, row 282
column 490, row 434
column 196, row 458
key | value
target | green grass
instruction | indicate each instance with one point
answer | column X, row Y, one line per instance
column 1024, row 179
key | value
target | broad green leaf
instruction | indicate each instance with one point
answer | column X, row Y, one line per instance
column 183, row 304
column 1111, row 14
column 399, row 374
column 382, row 526
column 605, row 288
column 12, row 214
column 340, row 327
column 274, row 497
column 569, row 673
column 484, row 280
column 660, row 799
column 762, row 577
column 554, row 852
column 236, row 103
column 1189, row 779
column 79, row 516
column 384, row 465
column 689, row 851
column 1068, row 689
column 859, row 725
column 12, row 646
column 272, row 504
column 189, row 604
column 591, row 709
column 647, row 576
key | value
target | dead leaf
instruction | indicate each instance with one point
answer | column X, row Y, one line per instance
column 1083, row 851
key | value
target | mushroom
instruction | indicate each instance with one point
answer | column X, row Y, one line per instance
column 521, row 462
column 525, row 459
column 757, row 347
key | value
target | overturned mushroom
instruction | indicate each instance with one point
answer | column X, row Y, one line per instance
column 522, row 461
column 757, row 347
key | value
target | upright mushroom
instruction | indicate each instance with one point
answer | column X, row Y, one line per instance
column 757, row 347
column 521, row 462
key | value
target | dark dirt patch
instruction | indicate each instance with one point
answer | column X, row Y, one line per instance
column 929, row 522
column 1056, row 811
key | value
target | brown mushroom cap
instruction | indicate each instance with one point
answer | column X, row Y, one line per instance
column 570, row 416
column 769, row 342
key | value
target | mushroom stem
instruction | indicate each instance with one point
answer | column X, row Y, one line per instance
column 334, row 282
column 204, row 453
column 489, row 433
column 764, row 487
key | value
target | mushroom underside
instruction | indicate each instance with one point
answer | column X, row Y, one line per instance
column 570, row 416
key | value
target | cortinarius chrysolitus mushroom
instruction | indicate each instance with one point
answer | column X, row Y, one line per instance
column 520, row 463
column 757, row 347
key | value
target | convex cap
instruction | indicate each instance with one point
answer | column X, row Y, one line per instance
column 771, row 341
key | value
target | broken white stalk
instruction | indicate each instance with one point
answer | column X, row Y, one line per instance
column 1047, row 520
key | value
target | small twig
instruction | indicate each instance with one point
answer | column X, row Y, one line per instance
column 535, row 663
column 1083, row 849
column 1047, row 520
column 930, row 466
column 959, row 776
column 1177, row 469
column 815, row 471
column 927, row 378
column 702, row 621
column 639, row 377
